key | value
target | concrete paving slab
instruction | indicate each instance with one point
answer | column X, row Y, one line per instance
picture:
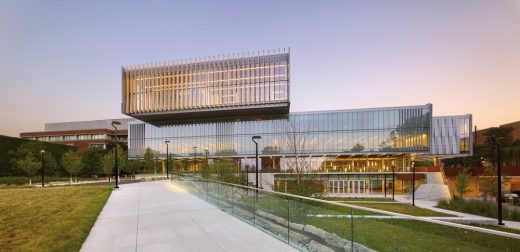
column 159, row 216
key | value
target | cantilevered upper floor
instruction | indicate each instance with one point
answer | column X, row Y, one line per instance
column 216, row 87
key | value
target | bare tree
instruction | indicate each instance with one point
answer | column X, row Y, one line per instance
column 300, row 144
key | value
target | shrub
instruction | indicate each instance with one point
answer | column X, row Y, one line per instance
column 21, row 180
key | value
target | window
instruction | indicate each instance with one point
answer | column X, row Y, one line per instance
column 70, row 138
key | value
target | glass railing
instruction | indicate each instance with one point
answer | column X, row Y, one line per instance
column 310, row 224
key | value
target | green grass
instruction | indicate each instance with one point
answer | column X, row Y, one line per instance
column 36, row 180
column 479, row 207
column 392, row 207
column 411, row 235
column 347, row 199
column 496, row 227
column 49, row 219
column 402, row 208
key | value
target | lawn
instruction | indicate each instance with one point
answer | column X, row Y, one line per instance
column 349, row 199
column 411, row 235
column 496, row 227
column 401, row 208
column 388, row 205
column 50, row 218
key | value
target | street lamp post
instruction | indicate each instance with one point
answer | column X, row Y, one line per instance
column 206, row 153
column 496, row 140
column 43, row 169
column 195, row 158
column 384, row 185
column 256, row 145
column 167, row 160
column 114, row 123
column 413, row 183
column 393, row 182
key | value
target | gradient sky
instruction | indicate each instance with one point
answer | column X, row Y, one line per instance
column 61, row 60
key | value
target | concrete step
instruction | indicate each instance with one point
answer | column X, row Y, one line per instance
column 432, row 192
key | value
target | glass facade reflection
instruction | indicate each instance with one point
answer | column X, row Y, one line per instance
column 213, row 107
column 331, row 133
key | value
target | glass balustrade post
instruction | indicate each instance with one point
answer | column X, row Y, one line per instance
column 351, row 230
column 288, row 220
column 218, row 194
column 254, row 207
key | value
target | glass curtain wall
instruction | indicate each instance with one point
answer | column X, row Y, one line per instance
column 349, row 132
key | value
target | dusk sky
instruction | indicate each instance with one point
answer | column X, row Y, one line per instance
column 61, row 60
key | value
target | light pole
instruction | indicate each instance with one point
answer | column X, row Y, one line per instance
column 384, row 186
column 167, row 160
column 393, row 182
column 256, row 145
column 41, row 154
column 206, row 153
column 413, row 183
column 195, row 158
column 114, row 123
column 496, row 140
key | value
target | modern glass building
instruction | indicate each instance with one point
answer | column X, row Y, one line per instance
column 214, row 88
column 212, row 108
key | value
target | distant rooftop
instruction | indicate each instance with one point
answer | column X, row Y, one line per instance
column 87, row 125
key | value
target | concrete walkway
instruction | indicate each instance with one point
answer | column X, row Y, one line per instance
column 462, row 217
column 158, row 216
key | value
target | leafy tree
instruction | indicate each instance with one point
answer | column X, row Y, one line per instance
column 206, row 169
column 358, row 148
column 29, row 165
column 224, row 170
column 107, row 164
column 49, row 163
column 122, row 160
column 71, row 161
column 132, row 166
column 33, row 149
column 91, row 159
column 488, row 182
column 390, row 142
column 149, row 162
column 505, row 133
column 462, row 182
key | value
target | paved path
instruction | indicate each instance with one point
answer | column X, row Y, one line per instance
column 428, row 204
column 158, row 216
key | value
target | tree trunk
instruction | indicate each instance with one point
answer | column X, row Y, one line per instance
column 30, row 182
column 70, row 182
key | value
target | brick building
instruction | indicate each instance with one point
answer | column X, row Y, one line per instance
column 83, row 134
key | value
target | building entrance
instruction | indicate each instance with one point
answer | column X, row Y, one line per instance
column 349, row 186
